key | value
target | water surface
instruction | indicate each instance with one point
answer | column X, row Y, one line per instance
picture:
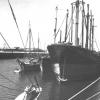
column 52, row 89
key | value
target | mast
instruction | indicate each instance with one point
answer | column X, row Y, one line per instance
column 90, row 42
column 77, row 22
column 38, row 45
column 55, row 25
column 72, row 22
column 83, row 16
column 29, row 40
column 92, row 33
column 66, row 26
column 29, row 36
column 87, row 27
column 60, row 36
column 38, row 41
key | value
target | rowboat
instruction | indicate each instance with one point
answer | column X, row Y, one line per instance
column 30, row 93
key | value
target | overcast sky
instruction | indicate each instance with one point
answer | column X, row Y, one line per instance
column 41, row 14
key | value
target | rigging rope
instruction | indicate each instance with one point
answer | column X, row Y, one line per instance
column 97, row 45
column 60, row 26
column 5, row 40
column 26, row 41
column 16, row 22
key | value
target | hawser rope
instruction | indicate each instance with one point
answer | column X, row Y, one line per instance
column 84, row 89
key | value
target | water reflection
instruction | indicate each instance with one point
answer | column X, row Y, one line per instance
column 55, row 91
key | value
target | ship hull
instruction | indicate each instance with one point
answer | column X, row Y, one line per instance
column 75, row 62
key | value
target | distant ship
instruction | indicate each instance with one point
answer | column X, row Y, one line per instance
column 17, row 52
column 76, row 56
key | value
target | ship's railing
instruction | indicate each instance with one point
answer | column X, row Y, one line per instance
column 71, row 98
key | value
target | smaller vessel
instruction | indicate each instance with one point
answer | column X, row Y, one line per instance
column 29, row 65
column 31, row 92
column 30, row 62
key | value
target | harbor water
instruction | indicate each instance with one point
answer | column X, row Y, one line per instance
column 13, row 83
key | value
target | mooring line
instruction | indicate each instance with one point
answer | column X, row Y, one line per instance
column 84, row 88
column 10, row 88
column 9, row 80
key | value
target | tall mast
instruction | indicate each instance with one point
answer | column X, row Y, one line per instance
column 72, row 23
column 77, row 22
column 90, row 38
column 55, row 25
column 87, row 26
column 83, row 16
column 38, row 41
column 60, row 35
column 92, row 33
column 38, row 44
column 66, row 25
column 29, row 36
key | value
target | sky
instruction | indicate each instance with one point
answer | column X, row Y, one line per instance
column 41, row 14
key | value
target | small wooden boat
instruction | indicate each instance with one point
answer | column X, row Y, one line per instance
column 29, row 65
column 30, row 93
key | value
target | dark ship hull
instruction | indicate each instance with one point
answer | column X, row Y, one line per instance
column 75, row 62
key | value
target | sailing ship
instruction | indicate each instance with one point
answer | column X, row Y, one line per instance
column 30, row 63
column 75, row 57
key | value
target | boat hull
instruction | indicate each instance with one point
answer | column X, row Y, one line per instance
column 29, row 66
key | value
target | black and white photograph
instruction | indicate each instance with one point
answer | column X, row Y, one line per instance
column 49, row 50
